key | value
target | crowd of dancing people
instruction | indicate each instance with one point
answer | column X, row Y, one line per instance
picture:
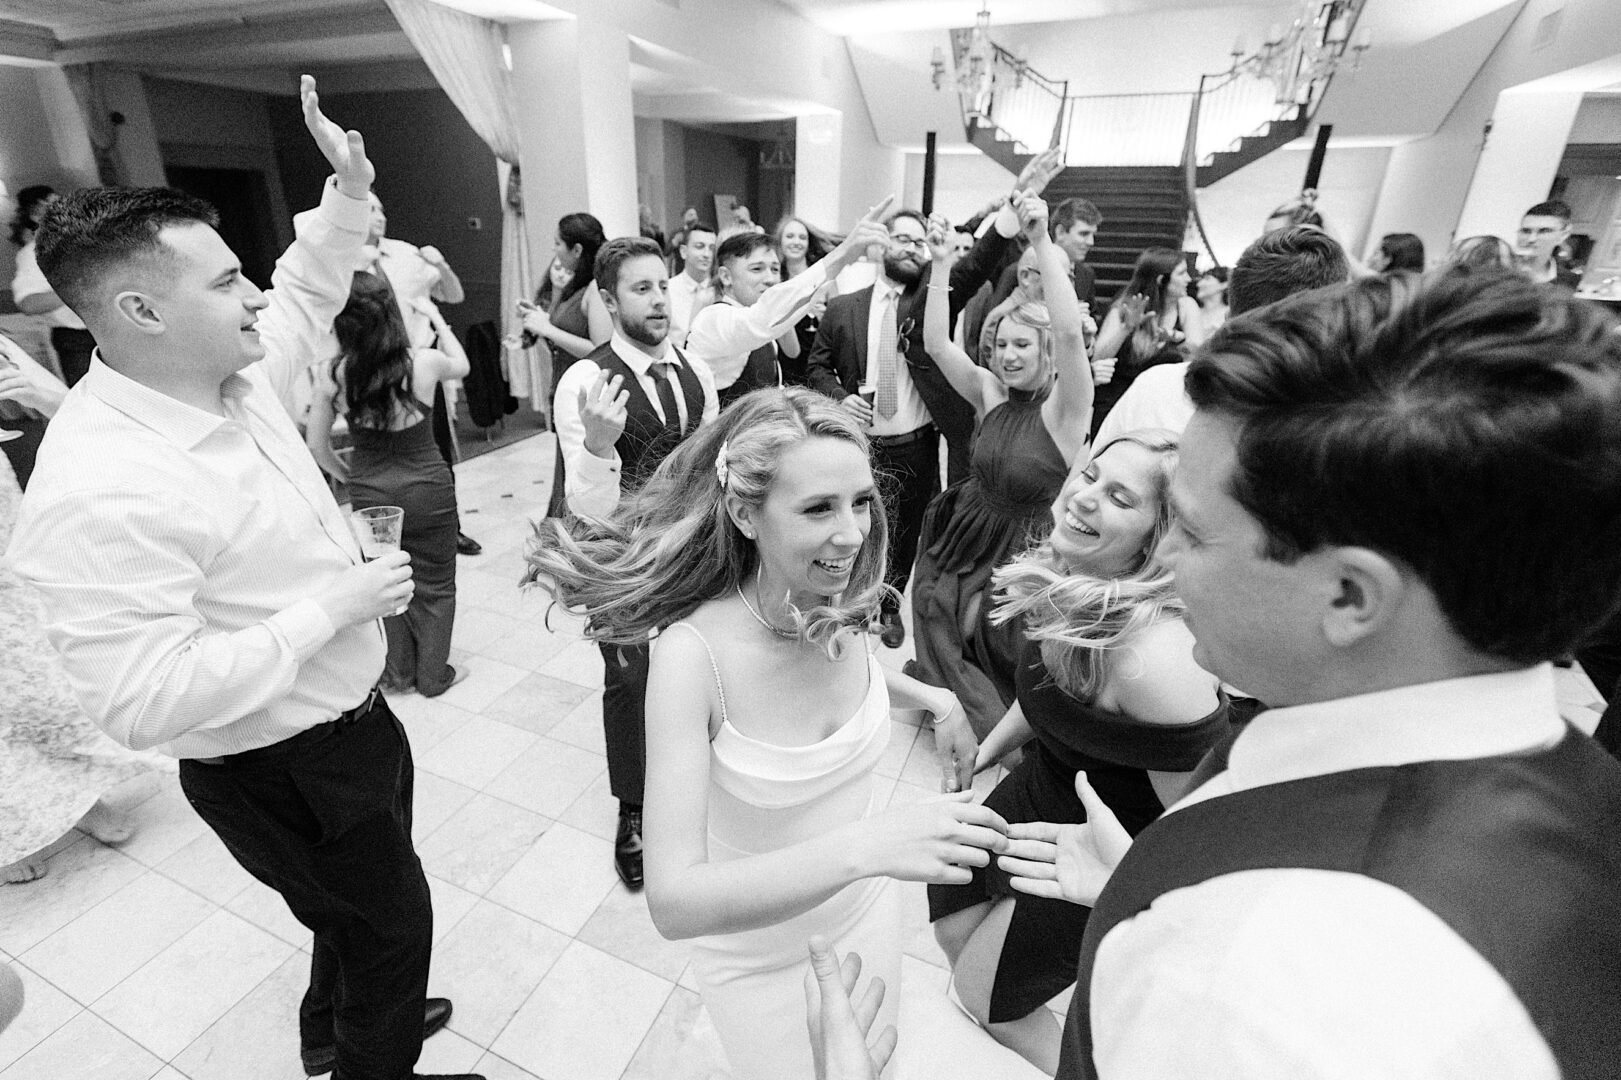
column 1246, row 584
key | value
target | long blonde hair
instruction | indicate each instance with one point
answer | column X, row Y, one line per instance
column 1081, row 621
column 672, row 545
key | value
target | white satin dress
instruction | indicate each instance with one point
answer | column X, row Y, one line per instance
column 763, row 797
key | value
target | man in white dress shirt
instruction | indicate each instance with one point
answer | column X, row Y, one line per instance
column 691, row 290
column 1396, row 503
column 619, row 412
column 208, row 597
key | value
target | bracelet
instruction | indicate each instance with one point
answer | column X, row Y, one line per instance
column 955, row 706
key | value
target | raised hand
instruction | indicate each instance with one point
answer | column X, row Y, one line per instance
column 344, row 151
column 1067, row 862
column 934, row 841
column 941, row 248
column 1039, row 171
column 868, row 231
column 603, row 412
column 1132, row 310
column 838, row 1029
column 1032, row 211
column 1103, row 371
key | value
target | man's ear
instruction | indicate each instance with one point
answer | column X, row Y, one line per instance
column 724, row 276
column 1369, row 590
column 137, row 309
column 608, row 300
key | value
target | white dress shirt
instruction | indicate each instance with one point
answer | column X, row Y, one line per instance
column 1158, row 399
column 725, row 333
column 29, row 281
column 910, row 412
column 685, row 293
column 178, row 552
column 591, row 483
column 1293, row 973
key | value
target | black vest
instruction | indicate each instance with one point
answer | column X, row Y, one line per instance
column 647, row 440
column 1519, row 855
column 760, row 371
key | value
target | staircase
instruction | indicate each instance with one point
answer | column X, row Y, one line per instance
column 1275, row 135
column 1143, row 206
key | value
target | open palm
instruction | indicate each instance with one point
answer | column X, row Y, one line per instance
column 1067, row 862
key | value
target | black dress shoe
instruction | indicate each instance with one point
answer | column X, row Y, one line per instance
column 466, row 545
column 891, row 632
column 323, row 1059
column 628, row 847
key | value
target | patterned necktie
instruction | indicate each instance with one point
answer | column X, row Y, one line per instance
column 672, row 412
column 887, row 399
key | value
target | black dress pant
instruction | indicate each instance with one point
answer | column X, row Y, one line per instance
column 909, row 476
column 624, row 719
column 324, row 818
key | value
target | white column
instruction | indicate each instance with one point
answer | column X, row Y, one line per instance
column 575, row 126
column 818, row 157
column 1521, row 158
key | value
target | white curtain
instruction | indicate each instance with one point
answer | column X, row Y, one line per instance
column 467, row 56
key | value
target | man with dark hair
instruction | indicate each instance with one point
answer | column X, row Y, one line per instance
column 1279, row 264
column 1397, row 502
column 739, row 335
column 1536, row 245
column 690, row 288
column 857, row 360
column 208, row 597
column 619, row 412
column 1073, row 227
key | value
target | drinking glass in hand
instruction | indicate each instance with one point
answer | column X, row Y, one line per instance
column 378, row 529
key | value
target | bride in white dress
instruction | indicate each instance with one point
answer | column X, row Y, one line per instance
column 758, row 550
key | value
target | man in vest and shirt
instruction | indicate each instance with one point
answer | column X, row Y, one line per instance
column 738, row 336
column 618, row 413
column 1396, row 503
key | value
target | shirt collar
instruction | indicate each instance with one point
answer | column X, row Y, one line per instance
column 1450, row 720
column 182, row 424
column 882, row 289
column 636, row 359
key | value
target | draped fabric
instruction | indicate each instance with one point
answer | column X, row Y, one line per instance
column 467, row 57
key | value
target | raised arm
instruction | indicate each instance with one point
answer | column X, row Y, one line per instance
column 448, row 289
column 978, row 387
column 689, row 896
column 1070, row 404
column 310, row 284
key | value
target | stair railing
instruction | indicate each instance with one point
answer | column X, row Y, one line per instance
column 1010, row 95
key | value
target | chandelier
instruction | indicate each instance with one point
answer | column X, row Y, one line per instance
column 1298, row 57
column 977, row 58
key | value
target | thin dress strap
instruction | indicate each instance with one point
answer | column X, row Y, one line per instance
column 719, row 689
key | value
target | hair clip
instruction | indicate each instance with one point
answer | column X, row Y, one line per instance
column 721, row 472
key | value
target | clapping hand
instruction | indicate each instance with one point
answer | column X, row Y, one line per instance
column 838, row 1029
column 1067, row 862
column 1039, row 171
column 603, row 412
column 344, row 151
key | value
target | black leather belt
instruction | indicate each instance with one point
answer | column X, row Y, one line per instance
column 313, row 736
column 895, row 442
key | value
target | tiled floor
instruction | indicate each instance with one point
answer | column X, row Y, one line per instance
column 163, row 960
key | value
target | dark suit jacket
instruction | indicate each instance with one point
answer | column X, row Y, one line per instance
column 839, row 355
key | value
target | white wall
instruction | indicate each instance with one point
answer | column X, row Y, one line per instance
column 963, row 183
column 1598, row 120
column 29, row 151
column 1235, row 208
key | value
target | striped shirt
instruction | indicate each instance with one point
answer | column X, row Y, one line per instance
column 178, row 552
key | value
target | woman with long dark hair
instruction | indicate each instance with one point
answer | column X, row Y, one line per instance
column 1153, row 321
column 385, row 391
column 1397, row 251
column 802, row 245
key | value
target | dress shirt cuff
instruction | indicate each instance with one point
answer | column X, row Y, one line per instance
column 303, row 628
column 595, row 470
column 351, row 215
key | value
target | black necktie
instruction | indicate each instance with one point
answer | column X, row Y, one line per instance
column 661, row 372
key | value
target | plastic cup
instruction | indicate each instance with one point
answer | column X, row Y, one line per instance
column 378, row 529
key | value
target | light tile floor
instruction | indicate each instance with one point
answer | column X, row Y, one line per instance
column 163, row 960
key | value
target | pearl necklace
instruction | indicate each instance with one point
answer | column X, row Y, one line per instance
column 792, row 635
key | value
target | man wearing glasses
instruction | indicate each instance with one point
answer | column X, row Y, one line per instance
column 869, row 356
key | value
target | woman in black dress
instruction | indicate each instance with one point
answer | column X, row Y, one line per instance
column 1153, row 321
column 1106, row 683
column 385, row 389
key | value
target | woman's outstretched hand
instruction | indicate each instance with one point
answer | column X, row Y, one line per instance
column 955, row 748
column 1067, row 862
column 934, row 841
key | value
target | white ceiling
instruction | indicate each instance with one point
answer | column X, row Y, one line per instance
column 857, row 17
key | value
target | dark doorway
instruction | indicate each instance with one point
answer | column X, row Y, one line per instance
column 246, row 222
